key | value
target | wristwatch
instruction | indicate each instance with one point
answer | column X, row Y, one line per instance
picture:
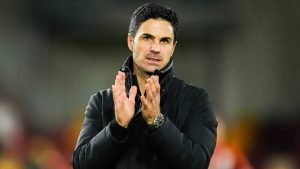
column 158, row 121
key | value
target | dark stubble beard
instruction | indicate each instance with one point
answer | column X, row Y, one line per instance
column 142, row 70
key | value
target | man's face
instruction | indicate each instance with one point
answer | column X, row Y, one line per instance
column 153, row 45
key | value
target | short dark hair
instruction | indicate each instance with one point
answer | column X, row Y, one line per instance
column 154, row 11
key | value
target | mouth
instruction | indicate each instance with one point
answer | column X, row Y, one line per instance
column 153, row 58
column 153, row 61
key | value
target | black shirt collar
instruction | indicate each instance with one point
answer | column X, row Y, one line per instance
column 165, row 74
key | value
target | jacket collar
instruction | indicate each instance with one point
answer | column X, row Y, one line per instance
column 165, row 74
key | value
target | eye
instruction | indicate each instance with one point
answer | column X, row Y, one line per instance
column 166, row 40
column 146, row 38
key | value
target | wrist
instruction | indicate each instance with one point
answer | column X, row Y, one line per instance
column 150, row 121
column 124, row 125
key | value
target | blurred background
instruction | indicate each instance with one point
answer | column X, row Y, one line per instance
column 54, row 54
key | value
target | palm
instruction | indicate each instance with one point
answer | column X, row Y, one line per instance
column 124, row 106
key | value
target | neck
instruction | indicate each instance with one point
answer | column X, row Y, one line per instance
column 141, row 78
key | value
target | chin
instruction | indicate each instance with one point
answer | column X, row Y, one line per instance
column 151, row 70
column 148, row 71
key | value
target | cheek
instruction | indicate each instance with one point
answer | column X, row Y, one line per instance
column 143, row 46
column 168, row 52
column 137, row 49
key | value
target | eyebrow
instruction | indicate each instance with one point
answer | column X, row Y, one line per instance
column 151, row 36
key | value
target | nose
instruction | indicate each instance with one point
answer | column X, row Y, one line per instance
column 155, row 48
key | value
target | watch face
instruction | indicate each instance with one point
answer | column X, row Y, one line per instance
column 158, row 121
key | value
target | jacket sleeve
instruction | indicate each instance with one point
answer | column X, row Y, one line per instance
column 98, row 146
column 193, row 145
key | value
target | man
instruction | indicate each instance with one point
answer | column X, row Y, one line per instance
column 149, row 118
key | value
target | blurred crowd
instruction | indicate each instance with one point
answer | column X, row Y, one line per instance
column 245, row 144
column 24, row 147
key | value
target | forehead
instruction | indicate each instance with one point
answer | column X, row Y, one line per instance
column 156, row 27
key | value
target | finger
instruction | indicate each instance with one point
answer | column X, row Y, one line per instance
column 116, row 80
column 151, row 84
column 122, row 83
column 155, row 87
column 132, row 94
column 144, row 101
column 155, row 80
column 115, row 95
column 113, row 91
column 149, row 93
column 122, row 78
column 119, row 85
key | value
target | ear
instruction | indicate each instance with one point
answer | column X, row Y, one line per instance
column 174, row 46
column 130, row 41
